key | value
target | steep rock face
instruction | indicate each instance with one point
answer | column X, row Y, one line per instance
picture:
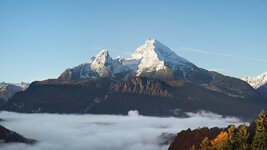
column 143, row 86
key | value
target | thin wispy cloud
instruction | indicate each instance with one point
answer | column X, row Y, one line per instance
column 222, row 54
column 218, row 69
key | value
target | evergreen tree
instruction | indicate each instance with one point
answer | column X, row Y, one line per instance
column 231, row 140
column 242, row 138
column 259, row 140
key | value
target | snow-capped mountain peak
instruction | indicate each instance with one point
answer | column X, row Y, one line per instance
column 101, row 58
column 153, row 48
column 152, row 59
column 23, row 85
column 147, row 49
column 102, row 63
column 256, row 82
column 7, row 90
column 156, row 57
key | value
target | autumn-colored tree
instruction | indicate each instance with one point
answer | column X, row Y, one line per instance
column 260, row 140
column 220, row 142
column 205, row 144
column 239, row 139
column 242, row 138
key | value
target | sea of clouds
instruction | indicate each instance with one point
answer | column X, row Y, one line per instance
column 102, row 132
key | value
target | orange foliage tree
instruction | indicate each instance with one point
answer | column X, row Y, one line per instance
column 220, row 142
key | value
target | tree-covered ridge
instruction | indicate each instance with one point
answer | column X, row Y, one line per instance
column 238, row 138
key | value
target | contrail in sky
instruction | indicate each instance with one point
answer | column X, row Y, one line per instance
column 222, row 54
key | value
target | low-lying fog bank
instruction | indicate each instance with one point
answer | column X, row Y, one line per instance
column 101, row 132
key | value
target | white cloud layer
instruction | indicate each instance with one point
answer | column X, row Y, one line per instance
column 101, row 132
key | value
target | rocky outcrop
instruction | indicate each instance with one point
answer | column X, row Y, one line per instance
column 143, row 86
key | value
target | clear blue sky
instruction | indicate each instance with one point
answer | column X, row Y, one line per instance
column 39, row 39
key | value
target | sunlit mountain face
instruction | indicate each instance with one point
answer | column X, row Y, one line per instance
column 154, row 80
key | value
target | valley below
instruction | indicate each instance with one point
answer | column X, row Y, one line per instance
column 101, row 132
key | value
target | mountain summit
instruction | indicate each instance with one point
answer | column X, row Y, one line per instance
column 101, row 63
column 152, row 59
column 158, row 59
column 153, row 48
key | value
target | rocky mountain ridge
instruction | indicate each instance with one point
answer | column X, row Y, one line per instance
column 152, row 59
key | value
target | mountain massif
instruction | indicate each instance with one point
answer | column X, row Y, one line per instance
column 153, row 80
column 152, row 60
column 156, row 61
